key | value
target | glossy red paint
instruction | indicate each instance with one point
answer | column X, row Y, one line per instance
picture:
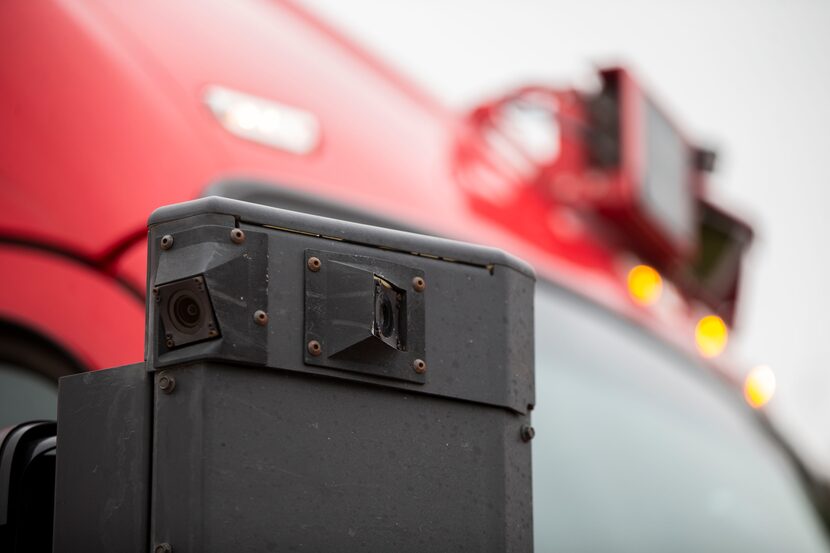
column 79, row 309
column 103, row 120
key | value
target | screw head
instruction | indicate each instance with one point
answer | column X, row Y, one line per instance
column 166, row 383
column 261, row 317
column 237, row 236
column 314, row 348
column 419, row 284
column 163, row 548
column 314, row 264
column 420, row 366
column 527, row 433
column 166, row 242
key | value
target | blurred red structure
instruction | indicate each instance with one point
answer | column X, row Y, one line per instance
column 104, row 117
column 109, row 110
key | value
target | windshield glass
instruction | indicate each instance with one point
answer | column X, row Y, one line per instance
column 638, row 448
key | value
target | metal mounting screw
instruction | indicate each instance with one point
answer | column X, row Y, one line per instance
column 314, row 264
column 237, row 236
column 166, row 242
column 420, row 366
column 527, row 433
column 418, row 283
column 166, row 383
column 163, row 548
column 261, row 317
column 314, row 348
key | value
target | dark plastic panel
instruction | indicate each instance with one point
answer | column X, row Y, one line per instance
column 473, row 312
column 102, row 484
column 249, row 439
column 251, row 459
column 408, row 242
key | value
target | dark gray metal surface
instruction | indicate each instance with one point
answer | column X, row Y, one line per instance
column 409, row 435
column 236, row 277
column 103, row 461
column 253, row 459
column 478, row 317
column 343, row 307
column 308, row 422
column 417, row 244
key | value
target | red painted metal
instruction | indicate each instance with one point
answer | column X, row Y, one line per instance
column 103, row 120
column 78, row 308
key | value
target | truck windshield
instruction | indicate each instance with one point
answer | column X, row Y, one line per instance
column 638, row 448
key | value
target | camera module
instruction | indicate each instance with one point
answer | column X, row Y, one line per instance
column 186, row 312
column 390, row 314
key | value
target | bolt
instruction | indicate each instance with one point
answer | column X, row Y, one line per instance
column 169, row 342
column 314, row 348
column 237, row 236
column 418, row 283
column 314, row 264
column 166, row 383
column 166, row 242
column 163, row 548
column 420, row 366
column 261, row 317
column 156, row 295
column 527, row 432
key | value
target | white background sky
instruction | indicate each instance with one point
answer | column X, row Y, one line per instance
column 750, row 78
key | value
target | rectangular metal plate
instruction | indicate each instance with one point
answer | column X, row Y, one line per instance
column 102, row 493
column 365, row 314
column 251, row 459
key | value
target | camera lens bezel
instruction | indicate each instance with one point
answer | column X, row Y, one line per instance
column 186, row 313
column 389, row 314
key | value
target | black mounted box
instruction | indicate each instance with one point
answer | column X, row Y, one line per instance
column 321, row 385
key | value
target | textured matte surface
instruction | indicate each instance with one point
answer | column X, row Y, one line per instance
column 255, row 214
column 103, row 461
column 264, row 446
column 236, row 278
column 341, row 313
column 478, row 318
column 258, row 460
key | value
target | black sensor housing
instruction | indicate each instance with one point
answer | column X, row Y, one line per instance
column 185, row 311
column 309, row 384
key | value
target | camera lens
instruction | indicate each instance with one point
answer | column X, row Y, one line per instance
column 386, row 317
column 389, row 324
column 185, row 311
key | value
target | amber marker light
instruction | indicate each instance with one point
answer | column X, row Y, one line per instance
column 711, row 336
column 759, row 386
column 645, row 284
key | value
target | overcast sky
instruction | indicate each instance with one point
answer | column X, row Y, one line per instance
column 751, row 78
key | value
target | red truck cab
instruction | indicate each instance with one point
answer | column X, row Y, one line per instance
column 109, row 110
